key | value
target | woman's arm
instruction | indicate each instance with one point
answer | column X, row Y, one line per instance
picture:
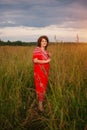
column 35, row 60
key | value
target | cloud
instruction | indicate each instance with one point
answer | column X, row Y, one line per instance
column 27, row 19
column 43, row 13
column 32, row 33
column 7, row 22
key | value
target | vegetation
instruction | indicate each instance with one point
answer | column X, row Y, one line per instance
column 66, row 99
column 16, row 43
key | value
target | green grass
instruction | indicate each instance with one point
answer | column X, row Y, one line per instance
column 66, row 98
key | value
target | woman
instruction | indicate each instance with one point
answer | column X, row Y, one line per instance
column 41, row 59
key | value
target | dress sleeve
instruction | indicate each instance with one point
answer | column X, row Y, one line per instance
column 37, row 54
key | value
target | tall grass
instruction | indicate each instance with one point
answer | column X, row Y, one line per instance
column 66, row 98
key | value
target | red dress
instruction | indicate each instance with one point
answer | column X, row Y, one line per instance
column 41, row 72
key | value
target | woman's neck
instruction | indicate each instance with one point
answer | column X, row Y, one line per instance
column 43, row 48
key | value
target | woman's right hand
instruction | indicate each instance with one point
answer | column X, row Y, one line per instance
column 48, row 60
column 41, row 61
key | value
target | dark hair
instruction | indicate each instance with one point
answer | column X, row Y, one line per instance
column 40, row 39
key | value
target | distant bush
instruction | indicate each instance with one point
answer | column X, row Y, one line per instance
column 16, row 43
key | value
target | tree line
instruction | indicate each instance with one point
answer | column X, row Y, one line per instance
column 16, row 43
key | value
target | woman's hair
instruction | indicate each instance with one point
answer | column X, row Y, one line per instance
column 40, row 39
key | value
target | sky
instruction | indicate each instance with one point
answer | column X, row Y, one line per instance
column 60, row 20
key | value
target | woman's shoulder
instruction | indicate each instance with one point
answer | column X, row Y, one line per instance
column 37, row 50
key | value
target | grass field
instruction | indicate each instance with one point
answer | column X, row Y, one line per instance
column 66, row 97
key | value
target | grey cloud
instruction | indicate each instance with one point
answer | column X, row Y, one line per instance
column 42, row 12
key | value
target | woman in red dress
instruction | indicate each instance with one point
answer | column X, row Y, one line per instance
column 41, row 59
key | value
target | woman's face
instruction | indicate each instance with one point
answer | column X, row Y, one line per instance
column 43, row 43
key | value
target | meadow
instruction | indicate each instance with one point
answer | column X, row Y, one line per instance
column 66, row 98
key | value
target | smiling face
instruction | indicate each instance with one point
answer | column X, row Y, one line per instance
column 43, row 43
